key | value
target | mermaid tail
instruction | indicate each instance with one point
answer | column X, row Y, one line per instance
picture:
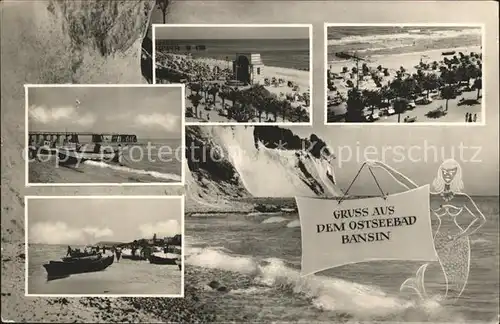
column 454, row 259
column 417, row 283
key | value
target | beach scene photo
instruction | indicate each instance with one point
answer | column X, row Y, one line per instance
column 404, row 74
column 238, row 73
column 101, row 247
column 104, row 134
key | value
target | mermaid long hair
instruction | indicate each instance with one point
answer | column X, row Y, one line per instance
column 456, row 184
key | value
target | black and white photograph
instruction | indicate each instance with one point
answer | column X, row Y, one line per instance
column 101, row 246
column 308, row 222
column 238, row 73
column 104, row 134
column 404, row 74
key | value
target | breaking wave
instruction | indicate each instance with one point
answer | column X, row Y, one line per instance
column 294, row 223
column 408, row 36
column 276, row 219
column 361, row 301
column 158, row 175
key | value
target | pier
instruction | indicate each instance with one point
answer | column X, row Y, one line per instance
column 39, row 137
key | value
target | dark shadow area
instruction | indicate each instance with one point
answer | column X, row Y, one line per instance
column 242, row 69
column 207, row 158
column 147, row 59
column 276, row 137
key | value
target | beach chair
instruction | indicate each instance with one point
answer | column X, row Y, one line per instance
column 410, row 119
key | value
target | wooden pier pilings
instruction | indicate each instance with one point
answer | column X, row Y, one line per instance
column 58, row 138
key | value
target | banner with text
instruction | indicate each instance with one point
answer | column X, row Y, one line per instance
column 368, row 229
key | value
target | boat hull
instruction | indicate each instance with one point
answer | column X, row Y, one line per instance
column 133, row 257
column 158, row 260
column 83, row 258
column 60, row 269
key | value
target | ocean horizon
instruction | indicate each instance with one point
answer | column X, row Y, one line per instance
column 285, row 53
column 370, row 41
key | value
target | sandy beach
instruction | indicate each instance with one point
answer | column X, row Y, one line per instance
column 124, row 277
column 395, row 61
column 18, row 308
column 409, row 61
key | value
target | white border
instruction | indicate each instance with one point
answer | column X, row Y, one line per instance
column 311, row 59
column 325, row 62
column 183, row 135
column 26, row 230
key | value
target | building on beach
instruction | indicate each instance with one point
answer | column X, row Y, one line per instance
column 248, row 68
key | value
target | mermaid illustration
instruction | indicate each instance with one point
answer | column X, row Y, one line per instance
column 451, row 241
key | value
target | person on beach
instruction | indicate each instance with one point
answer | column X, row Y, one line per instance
column 69, row 251
column 118, row 252
column 475, row 117
column 119, row 154
column 470, row 118
column 450, row 240
column 32, row 150
column 466, row 117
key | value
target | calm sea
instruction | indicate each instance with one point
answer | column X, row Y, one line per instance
column 229, row 248
column 368, row 41
column 124, row 277
column 287, row 53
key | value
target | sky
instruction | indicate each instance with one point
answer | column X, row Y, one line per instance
column 480, row 178
column 82, row 221
column 231, row 33
column 417, row 152
column 146, row 112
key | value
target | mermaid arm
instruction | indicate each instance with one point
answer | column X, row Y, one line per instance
column 478, row 220
column 398, row 176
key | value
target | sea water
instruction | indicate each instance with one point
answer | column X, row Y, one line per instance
column 370, row 41
column 148, row 160
column 259, row 255
column 286, row 53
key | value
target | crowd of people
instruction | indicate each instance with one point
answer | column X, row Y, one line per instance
column 211, row 86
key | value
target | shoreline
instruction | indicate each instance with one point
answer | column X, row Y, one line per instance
column 42, row 172
column 433, row 53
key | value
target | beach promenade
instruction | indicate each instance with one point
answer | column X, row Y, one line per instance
column 214, row 95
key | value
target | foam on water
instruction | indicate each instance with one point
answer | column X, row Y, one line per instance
column 154, row 174
column 294, row 223
column 213, row 259
column 437, row 34
column 264, row 214
column 364, row 302
column 276, row 219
